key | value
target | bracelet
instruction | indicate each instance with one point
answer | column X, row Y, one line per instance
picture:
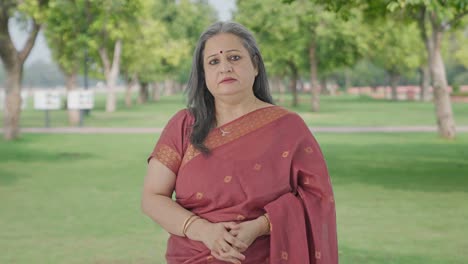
column 184, row 226
column 267, row 219
column 190, row 221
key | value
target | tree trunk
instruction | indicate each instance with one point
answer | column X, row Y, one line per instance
column 177, row 87
column 282, row 90
column 168, row 87
column 70, row 84
column 323, row 86
column 13, row 61
column 143, row 95
column 293, row 83
column 156, row 92
column 12, row 109
column 425, row 83
column 443, row 105
column 111, row 72
column 131, row 83
column 347, row 79
column 394, row 80
column 314, row 83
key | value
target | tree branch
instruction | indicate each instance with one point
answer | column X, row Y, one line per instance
column 23, row 54
column 446, row 25
column 8, row 51
column 105, row 60
column 422, row 24
column 117, row 52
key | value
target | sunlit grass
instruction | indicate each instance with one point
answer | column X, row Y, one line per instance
column 401, row 198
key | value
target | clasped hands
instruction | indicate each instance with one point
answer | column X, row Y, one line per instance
column 227, row 240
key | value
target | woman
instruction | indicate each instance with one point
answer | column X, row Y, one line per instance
column 250, row 180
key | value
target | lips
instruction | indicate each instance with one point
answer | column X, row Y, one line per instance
column 228, row 80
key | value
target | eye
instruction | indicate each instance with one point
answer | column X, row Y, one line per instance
column 213, row 62
column 235, row 57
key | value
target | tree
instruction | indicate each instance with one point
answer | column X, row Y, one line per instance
column 64, row 31
column 109, row 24
column 185, row 21
column 435, row 18
column 279, row 38
column 305, row 37
column 395, row 47
column 32, row 12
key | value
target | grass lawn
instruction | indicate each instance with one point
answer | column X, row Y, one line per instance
column 401, row 198
column 335, row 111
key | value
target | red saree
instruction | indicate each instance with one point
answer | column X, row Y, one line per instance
column 265, row 161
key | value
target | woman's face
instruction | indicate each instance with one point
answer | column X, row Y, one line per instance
column 228, row 66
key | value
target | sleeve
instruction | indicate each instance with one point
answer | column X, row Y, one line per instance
column 170, row 147
column 303, row 222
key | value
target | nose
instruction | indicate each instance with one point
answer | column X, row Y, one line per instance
column 225, row 66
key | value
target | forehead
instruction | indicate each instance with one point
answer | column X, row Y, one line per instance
column 222, row 42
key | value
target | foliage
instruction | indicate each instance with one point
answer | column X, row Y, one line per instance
column 396, row 47
column 285, row 32
column 66, row 34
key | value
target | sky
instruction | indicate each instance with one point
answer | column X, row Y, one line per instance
column 42, row 52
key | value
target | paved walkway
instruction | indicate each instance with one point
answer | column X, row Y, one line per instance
column 146, row 130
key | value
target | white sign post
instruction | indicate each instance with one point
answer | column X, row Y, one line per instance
column 47, row 100
column 80, row 100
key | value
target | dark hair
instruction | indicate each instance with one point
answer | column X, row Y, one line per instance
column 200, row 100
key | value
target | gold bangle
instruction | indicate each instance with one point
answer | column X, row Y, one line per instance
column 189, row 223
column 267, row 219
column 185, row 223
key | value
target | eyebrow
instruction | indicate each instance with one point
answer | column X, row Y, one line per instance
column 224, row 51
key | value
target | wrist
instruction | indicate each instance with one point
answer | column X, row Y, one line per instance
column 265, row 220
column 263, row 226
column 196, row 229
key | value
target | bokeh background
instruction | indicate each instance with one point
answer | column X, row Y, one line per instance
column 383, row 85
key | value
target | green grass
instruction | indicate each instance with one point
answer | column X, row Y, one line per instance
column 335, row 111
column 401, row 198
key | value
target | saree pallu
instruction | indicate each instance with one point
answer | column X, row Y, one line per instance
column 266, row 161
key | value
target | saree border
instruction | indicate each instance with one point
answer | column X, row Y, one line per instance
column 169, row 157
column 236, row 129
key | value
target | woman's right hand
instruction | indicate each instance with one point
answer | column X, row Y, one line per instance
column 217, row 238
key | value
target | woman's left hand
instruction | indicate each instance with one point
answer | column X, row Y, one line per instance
column 248, row 231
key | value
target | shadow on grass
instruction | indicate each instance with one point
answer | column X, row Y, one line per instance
column 18, row 153
column 420, row 167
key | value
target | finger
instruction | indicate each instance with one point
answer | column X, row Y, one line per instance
column 228, row 259
column 235, row 241
column 224, row 246
column 221, row 246
column 231, row 225
column 234, row 232
column 232, row 253
column 227, row 251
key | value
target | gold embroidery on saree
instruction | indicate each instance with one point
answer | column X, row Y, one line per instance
column 237, row 129
column 169, row 157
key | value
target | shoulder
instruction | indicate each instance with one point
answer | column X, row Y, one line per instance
column 290, row 118
column 183, row 118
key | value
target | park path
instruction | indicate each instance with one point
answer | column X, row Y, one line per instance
column 146, row 130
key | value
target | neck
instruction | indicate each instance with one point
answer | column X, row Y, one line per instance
column 227, row 111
